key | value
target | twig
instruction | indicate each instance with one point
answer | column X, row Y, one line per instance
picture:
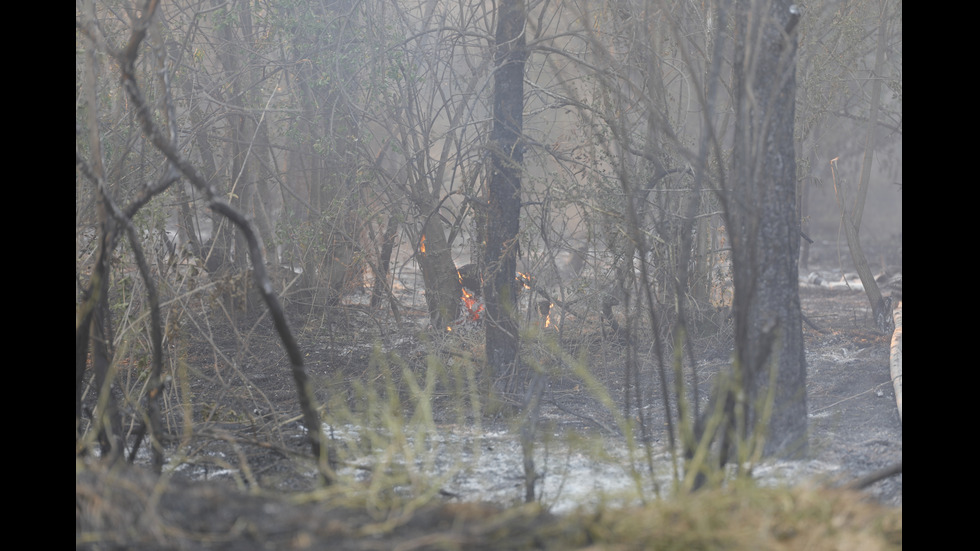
column 876, row 476
column 598, row 423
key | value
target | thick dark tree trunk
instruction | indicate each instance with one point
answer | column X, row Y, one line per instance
column 765, row 232
column 443, row 292
column 504, row 208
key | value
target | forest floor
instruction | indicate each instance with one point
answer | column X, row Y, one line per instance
column 244, row 481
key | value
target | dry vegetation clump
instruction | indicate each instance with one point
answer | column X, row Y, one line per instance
column 752, row 517
column 127, row 508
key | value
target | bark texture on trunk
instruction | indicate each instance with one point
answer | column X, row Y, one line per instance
column 770, row 370
column 507, row 157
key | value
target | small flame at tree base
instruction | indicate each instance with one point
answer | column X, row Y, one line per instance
column 544, row 309
column 473, row 305
column 469, row 278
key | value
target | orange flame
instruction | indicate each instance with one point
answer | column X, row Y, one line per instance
column 544, row 308
column 470, row 301
column 524, row 279
column 422, row 244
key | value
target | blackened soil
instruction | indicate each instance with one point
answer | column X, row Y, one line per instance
column 855, row 429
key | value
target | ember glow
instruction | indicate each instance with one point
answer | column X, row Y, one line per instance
column 473, row 304
column 524, row 279
column 544, row 309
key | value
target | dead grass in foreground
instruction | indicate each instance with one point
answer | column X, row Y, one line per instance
column 128, row 508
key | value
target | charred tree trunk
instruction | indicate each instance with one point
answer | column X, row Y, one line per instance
column 507, row 157
column 443, row 291
column 382, row 286
column 768, row 399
